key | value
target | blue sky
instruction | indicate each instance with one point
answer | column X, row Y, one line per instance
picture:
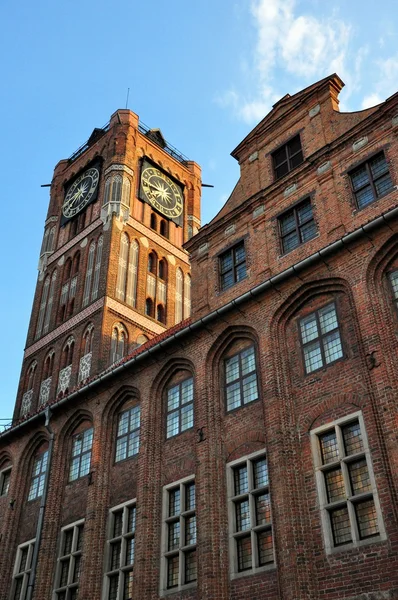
column 204, row 72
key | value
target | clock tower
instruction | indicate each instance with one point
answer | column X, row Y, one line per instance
column 112, row 270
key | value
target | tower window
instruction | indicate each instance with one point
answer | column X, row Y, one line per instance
column 164, row 230
column 149, row 307
column 118, row 342
column 153, row 222
column 287, row 157
column 161, row 314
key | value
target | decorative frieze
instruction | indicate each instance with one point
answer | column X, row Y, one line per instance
column 64, row 379
column 360, row 143
column 85, row 367
column 26, row 403
column 44, row 396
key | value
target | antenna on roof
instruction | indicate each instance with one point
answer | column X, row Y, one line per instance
column 127, row 99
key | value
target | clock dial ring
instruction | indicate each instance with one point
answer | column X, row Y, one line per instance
column 161, row 192
column 80, row 193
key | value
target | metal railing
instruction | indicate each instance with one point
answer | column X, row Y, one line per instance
column 171, row 150
column 86, row 144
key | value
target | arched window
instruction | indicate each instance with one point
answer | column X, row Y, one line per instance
column 27, row 397
column 128, row 432
column 82, row 443
column 30, row 376
column 178, row 296
column 69, row 286
column 126, row 284
column 164, row 230
column 126, row 192
column 240, row 375
column 163, row 269
column 153, row 222
column 161, row 313
column 107, row 191
column 116, row 189
column 86, row 353
column 187, row 296
column 141, row 339
column 149, row 307
column 38, row 474
column 93, row 267
column 43, row 305
column 50, row 302
column 118, row 342
column 66, row 365
column 121, row 282
column 48, row 240
column 45, row 385
column 152, row 263
column 179, row 404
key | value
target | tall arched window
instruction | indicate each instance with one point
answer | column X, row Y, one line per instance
column 121, row 282
column 126, row 284
column 93, row 271
column 45, row 385
column 162, row 271
column 66, row 365
column 86, row 353
column 116, row 189
column 43, row 305
column 153, row 221
column 131, row 294
column 29, row 388
column 164, row 230
column 118, row 342
column 48, row 240
column 69, row 286
column 126, row 192
column 187, row 296
column 89, row 274
column 152, row 263
column 179, row 292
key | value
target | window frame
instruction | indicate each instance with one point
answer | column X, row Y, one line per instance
column 288, row 157
column 349, row 501
column 24, row 575
column 240, row 379
column 5, row 480
column 254, row 530
column 75, row 553
column 232, row 250
column 183, row 549
column 294, row 209
column 371, row 180
column 124, row 537
column 391, row 290
column 128, row 433
column 180, row 406
column 81, row 434
column 319, row 338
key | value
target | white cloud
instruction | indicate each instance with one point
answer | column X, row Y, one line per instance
column 386, row 82
column 289, row 43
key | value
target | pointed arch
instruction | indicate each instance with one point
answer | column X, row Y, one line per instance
column 47, row 316
column 43, row 305
column 118, row 342
column 132, row 275
column 86, row 353
column 116, row 189
column 97, row 268
column 122, row 267
column 46, row 380
column 126, row 192
column 89, row 274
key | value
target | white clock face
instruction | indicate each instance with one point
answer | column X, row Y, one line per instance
column 162, row 192
column 80, row 193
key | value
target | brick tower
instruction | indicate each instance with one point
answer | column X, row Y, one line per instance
column 112, row 270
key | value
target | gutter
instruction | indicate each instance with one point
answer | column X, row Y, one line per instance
column 43, row 502
column 340, row 244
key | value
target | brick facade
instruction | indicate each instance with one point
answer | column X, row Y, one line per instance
column 347, row 264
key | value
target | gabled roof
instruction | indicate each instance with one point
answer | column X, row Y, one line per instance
column 286, row 103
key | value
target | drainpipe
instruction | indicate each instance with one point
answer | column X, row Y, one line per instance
column 43, row 501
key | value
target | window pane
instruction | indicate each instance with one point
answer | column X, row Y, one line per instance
column 131, row 519
column 240, row 272
column 115, row 556
column 359, row 178
column 85, row 464
column 174, row 536
column 121, row 448
column 263, row 509
column 232, row 369
column 265, row 549
column 394, row 283
column 74, row 469
column 123, row 423
column 227, row 280
column 328, row 318
column 226, row 262
column 288, row 223
column 241, row 480
column 244, row 547
column 383, row 185
column 134, row 443
column 260, row 469
column 130, row 547
column 135, row 414
column 186, row 417
column 279, row 156
column 282, row 170
column 378, row 166
column 174, row 502
column 333, row 348
column 250, row 389
column 367, row 519
column 248, row 361
column 294, row 145
column 172, row 424
column 173, row 398
column 365, row 196
column 352, row 438
column 309, row 328
column 190, row 496
column 290, row 242
column 172, row 571
column 359, row 476
column 242, row 515
column 313, row 357
column 128, row 585
column 117, row 523
column 329, row 448
column 190, row 531
column 340, row 526
column 233, row 396
column 240, row 253
column 113, row 587
column 187, row 391
column 308, row 231
column 334, row 485
column 63, row 577
column 87, row 440
column 304, row 212
column 190, row 567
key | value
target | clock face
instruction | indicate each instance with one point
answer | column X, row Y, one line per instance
column 162, row 192
column 80, row 193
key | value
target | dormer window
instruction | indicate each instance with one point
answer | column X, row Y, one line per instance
column 287, row 157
